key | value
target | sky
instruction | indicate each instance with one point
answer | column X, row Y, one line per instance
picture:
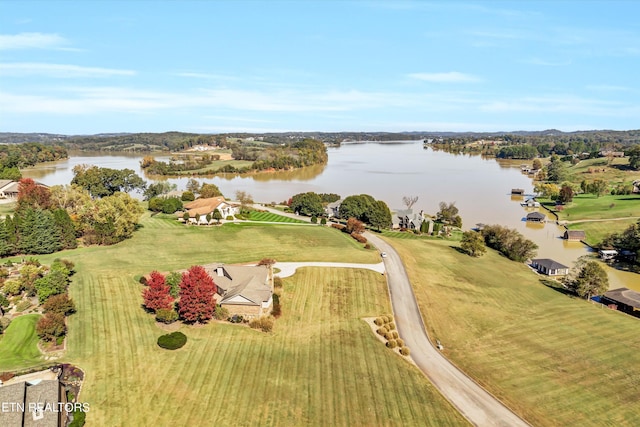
column 87, row 67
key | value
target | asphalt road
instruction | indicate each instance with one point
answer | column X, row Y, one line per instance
column 475, row 403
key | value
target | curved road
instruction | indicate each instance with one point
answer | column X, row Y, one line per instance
column 475, row 403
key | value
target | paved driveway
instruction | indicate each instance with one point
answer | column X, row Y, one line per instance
column 474, row 402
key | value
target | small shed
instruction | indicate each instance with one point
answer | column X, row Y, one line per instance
column 577, row 235
column 549, row 267
column 607, row 254
column 536, row 217
column 517, row 192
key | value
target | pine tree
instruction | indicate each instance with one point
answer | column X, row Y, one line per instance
column 5, row 244
column 197, row 290
column 66, row 229
column 157, row 296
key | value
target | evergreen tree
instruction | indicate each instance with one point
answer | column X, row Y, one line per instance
column 38, row 233
column 65, row 228
column 5, row 244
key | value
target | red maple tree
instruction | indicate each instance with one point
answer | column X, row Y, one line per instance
column 197, row 290
column 32, row 195
column 157, row 295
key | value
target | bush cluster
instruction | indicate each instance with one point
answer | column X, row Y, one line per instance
column 277, row 282
column 359, row 237
column 405, row 351
column 265, row 324
column 338, row 226
column 166, row 316
column 172, row 341
column 220, row 313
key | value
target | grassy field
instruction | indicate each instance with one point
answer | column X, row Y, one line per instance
column 321, row 365
column 588, row 206
column 617, row 172
column 271, row 217
column 598, row 230
column 19, row 344
column 7, row 208
column 556, row 360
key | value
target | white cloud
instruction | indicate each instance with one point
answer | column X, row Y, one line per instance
column 206, row 76
column 450, row 77
column 567, row 104
column 59, row 70
column 31, row 41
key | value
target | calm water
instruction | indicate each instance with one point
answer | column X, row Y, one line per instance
column 387, row 171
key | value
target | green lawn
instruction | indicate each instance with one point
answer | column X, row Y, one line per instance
column 556, row 360
column 321, row 365
column 588, row 206
column 598, row 230
column 271, row 217
column 7, row 208
column 615, row 173
column 19, row 344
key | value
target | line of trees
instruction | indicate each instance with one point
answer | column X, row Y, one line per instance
column 16, row 156
column 188, row 296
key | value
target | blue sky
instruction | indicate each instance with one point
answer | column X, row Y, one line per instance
column 84, row 67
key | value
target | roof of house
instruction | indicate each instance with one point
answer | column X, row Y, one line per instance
column 549, row 264
column 203, row 206
column 624, row 296
column 38, row 394
column 248, row 282
column 536, row 215
column 575, row 234
column 9, row 186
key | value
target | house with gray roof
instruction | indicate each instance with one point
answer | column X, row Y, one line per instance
column 549, row 267
column 40, row 403
column 9, row 188
column 243, row 290
column 623, row 299
column 536, row 217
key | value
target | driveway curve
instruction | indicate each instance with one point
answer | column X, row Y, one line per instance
column 475, row 403
column 289, row 268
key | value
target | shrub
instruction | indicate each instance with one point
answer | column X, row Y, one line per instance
column 368, row 246
column 405, row 351
column 391, row 326
column 276, row 310
column 78, row 418
column 12, row 287
column 229, row 218
column 51, row 326
column 4, row 302
column 392, row 344
column 265, row 324
column 187, row 196
column 382, row 331
column 386, row 318
column 4, row 323
column 220, row 313
column 338, row 226
column 236, row 318
column 277, row 282
column 395, row 334
column 388, row 336
column 314, row 219
column 165, row 315
column 267, row 261
column 60, row 303
column 172, row 341
column 323, row 221
column 400, row 342
column 378, row 321
column 359, row 237
column 23, row 305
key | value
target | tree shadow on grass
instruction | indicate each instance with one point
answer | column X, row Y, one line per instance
column 557, row 286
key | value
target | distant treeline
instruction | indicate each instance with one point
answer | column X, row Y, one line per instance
column 299, row 154
column 16, row 156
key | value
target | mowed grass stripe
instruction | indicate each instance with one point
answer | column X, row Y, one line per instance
column 319, row 349
column 548, row 356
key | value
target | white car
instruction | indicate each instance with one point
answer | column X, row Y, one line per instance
column 383, row 254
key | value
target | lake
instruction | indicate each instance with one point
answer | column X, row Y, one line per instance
column 387, row 171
